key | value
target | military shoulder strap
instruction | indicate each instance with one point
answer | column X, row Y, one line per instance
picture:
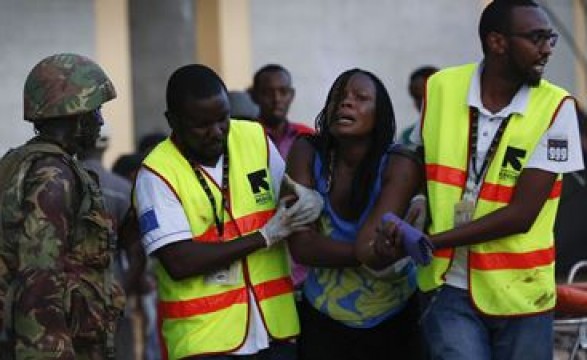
column 12, row 161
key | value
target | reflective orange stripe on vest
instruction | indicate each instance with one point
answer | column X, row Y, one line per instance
column 490, row 192
column 234, row 229
column 503, row 194
column 208, row 304
column 444, row 253
column 446, row 175
column 506, row 261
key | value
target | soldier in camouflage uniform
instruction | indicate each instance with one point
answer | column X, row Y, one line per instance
column 58, row 299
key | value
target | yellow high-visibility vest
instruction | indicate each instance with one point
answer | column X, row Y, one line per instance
column 197, row 317
column 512, row 275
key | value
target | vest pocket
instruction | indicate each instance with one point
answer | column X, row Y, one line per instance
column 92, row 310
column 94, row 242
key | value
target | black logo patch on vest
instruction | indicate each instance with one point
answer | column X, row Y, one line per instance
column 512, row 157
column 260, row 186
column 511, row 164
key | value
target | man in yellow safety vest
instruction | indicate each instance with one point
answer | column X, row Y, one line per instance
column 496, row 139
column 206, row 201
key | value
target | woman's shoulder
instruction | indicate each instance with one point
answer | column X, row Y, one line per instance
column 411, row 152
column 304, row 146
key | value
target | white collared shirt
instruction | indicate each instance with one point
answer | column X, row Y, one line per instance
column 564, row 126
column 154, row 195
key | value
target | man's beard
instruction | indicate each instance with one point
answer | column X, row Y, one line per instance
column 532, row 80
column 525, row 76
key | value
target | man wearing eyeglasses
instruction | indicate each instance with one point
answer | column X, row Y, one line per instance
column 496, row 139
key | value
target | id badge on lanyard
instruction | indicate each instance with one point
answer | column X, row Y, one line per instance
column 465, row 209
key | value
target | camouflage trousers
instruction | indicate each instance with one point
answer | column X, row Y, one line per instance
column 57, row 330
column 87, row 352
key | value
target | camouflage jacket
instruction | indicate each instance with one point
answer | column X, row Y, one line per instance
column 58, row 299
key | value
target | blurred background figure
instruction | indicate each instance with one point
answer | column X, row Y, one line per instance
column 127, row 165
column 570, row 247
column 116, row 189
column 130, row 334
column 273, row 92
column 242, row 106
column 145, row 302
column 416, row 88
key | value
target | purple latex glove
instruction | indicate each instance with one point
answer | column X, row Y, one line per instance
column 416, row 244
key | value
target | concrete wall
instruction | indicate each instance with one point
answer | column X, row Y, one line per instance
column 561, row 69
column 317, row 40
column 29, row 31
column 162, row 39
column 113, row 54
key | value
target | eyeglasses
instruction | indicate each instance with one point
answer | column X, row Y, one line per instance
column 539, row 37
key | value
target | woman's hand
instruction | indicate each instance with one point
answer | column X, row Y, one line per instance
column 387, row 245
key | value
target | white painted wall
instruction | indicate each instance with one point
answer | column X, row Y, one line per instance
column 29, row 31
column 315, row 39
column 318, row 39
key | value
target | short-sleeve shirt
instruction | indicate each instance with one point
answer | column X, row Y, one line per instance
column 291, row 133
column 564, row 126
column 172, row 224
column 154, row 195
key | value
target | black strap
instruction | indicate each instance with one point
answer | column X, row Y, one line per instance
column 474, row 116
column 218, row 220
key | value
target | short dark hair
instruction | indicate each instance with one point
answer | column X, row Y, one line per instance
column 266, row 69
column 149, row 141
column 496, row 17
column 423, row 72
column 193, row 81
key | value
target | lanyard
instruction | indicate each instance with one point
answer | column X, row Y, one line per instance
column 218, row 220
column 474, row 116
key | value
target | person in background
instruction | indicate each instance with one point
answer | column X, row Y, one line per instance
column 127, row 165
column 273, row 92
column 58, row 295
column 356, row 304
column 130, row 261
column 416, row 88
column 207, row 204
column 143, row 306
column 496, row 139
column 116, row 189
column 572, row 206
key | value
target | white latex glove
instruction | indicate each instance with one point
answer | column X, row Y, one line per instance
column 417, row 212
column 279, row 226
column 309, row 205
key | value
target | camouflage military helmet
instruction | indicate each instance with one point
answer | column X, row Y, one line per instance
column 63, row 85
